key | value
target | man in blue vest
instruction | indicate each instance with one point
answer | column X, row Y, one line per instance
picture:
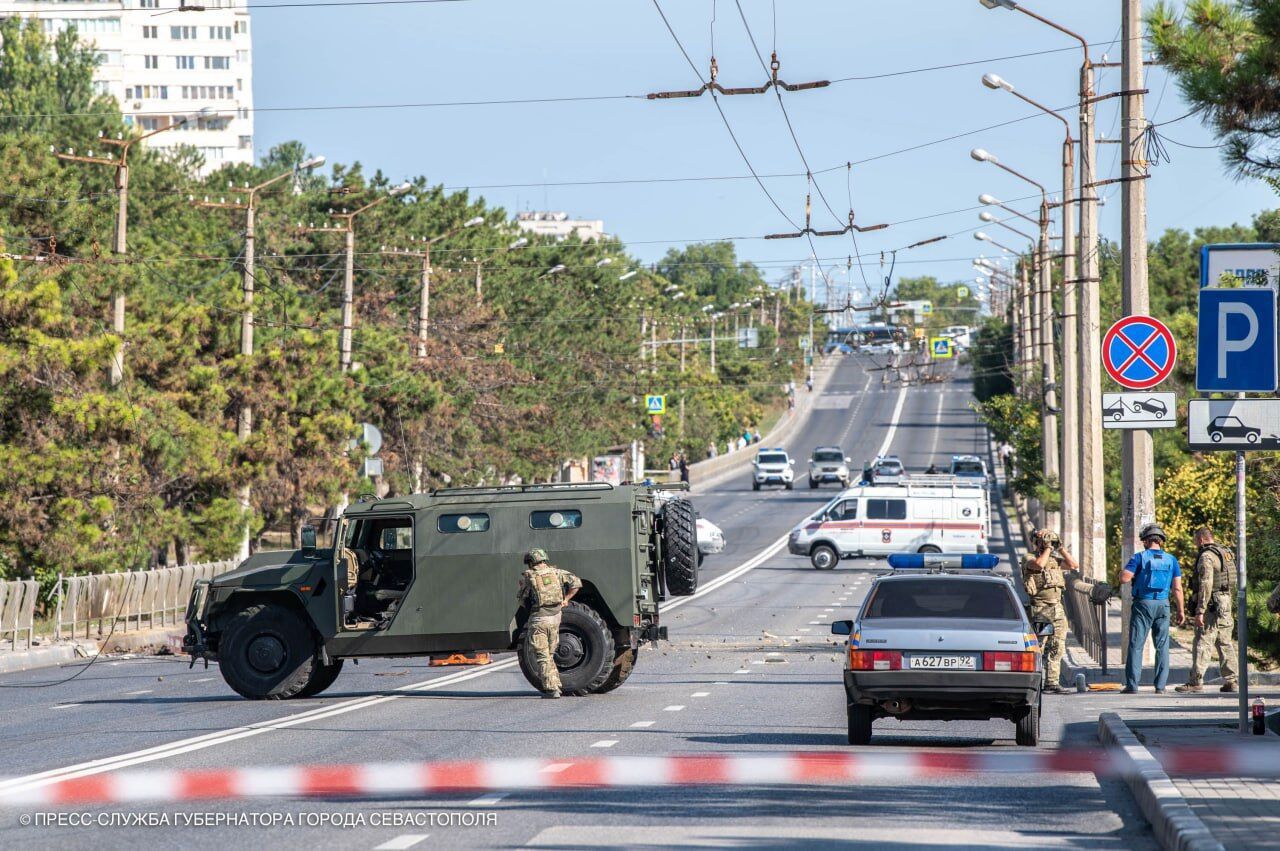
column 1153, row 574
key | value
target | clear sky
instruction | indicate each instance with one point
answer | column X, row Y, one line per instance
column 496, row 49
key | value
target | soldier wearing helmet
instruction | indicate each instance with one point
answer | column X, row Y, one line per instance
column 1153, row 575
column 547, row 590
column 1044, row 582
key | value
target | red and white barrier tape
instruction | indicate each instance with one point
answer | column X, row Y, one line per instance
column 807, row 768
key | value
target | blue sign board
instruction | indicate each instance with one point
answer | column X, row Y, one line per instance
column 1236, row 340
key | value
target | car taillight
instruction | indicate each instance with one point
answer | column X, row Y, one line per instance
column 1002, row 661
column 875, row 660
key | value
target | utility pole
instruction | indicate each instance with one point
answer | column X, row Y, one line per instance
column 119, row 243
column 713, row 345
column 1070, row 357
column 1136, row 461
column 244, row 417
column 1093, row 550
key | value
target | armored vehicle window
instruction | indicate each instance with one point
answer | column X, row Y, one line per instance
column 397, row 538
column 886, row 509
column 569, row 518
column 935, row 597
column 463, row 523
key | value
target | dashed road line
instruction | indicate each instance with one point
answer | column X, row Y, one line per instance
column 487, row 800
column 643, row 724
column 701, row 694
column 674, row 708
column 407, row 840
column 140, row 691
column 604, row 743
column 65, row 705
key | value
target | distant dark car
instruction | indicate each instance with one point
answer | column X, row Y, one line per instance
column 1232, row 427
column 1151, row 406
column 1115, row 411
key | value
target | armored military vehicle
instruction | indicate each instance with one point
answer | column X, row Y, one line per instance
column 437, row 574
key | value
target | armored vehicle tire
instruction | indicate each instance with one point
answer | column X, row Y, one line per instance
column 1027, row 728
column 859, row 724
column 680, row 547
column 755, row 486
column 267, row 653
column 322, row 676
column 585, row 657
column 824, row 557
column 623, row 664
column 791, row 485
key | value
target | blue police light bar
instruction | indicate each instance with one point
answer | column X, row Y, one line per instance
column 964, row 561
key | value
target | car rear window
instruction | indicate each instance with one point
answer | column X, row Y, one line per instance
column 828, row 456
column 962, row 468
column 935, row 597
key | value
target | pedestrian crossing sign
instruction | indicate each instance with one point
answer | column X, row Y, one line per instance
column 655, row 404
column 940, row 347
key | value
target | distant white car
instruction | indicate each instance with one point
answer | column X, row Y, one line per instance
column 710, row 538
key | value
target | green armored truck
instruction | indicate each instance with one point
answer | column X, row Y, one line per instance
column 437, row 574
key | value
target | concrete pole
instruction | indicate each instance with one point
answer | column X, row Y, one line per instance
column 1070, row 360
column 1049, row 422
column 713, row 345
column 244, row 422
column 1025, row 323
column 348, row 296
column 120, row 247
column 1093, row 549
column 424, row 303
column 1136, row 461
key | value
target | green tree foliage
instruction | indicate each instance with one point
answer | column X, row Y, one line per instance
column 992, row 359
column 523, row 368
column 1225, row 55
column 953, row 304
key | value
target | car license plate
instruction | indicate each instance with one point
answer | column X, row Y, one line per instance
column 944, row 662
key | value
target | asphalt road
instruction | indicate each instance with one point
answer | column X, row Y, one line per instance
column 750, row 668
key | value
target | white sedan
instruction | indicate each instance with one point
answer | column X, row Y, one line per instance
column 710, row 538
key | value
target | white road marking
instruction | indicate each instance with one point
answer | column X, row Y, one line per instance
column 604, row 743
column 828, row 610
column 140, row 691
column 893, row 423
column 643, row 724
column 814, row 623
column 701, row 694
column 407, row 840
column 742, row 671
column 64, row 705
column 804, row 629
column 204, row 680
column 822, row 616
column 487, row 800
column 232, row 734
column 674, row 708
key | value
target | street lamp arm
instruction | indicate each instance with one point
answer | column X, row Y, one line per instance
column 1043, row 192
column 1015, row 230
column 1084, row 44
column 1066, row 124
column 1021, row 215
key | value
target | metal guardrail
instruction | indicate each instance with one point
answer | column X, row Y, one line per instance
column 1087, row 615
column 18, row 610
column 128, row 600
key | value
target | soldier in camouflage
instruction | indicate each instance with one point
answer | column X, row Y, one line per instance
column 1044, row 582
column 547, row 589
column 1213, row 587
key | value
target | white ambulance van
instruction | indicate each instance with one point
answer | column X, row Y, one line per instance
column 922, row 514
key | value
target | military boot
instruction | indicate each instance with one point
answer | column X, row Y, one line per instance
column 1194, row 688
column 1229, row 687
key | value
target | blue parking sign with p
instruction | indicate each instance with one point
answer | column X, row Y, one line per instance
column 1236, row 340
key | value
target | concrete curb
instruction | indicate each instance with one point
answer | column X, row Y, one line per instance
column 46, row 655
column 712, row 471
column 1176, row 826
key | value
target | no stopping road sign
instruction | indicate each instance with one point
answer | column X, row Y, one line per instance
column 1139, row 352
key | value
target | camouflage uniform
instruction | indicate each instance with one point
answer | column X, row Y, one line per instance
column 1215, row 587
column 1044, row 589
column 544, row 587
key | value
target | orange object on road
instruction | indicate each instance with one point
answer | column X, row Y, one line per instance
column 460, row 659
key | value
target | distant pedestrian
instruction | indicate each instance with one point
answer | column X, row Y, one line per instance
column 1153, row 575
column 758, row 438
column 684, row 468
column 1213, row 593
column 712, row 452
column 808, row 382
column 742, row 443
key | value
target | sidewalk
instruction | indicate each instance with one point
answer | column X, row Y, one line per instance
column 1186, row 813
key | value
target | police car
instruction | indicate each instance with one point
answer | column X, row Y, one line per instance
column 773, row 467
column 942, row 637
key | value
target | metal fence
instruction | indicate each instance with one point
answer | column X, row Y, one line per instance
column 128, row 600
column 18, row 610
column 1088, row 616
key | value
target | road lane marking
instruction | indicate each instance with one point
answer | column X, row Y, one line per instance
column 893, row 423
column 204, row 680
column 701, row 694
column 407, row 840
column 487, row 800
column 742, row 671
column 232, row 734
column 674, row 708
column 65, row 705
column 604, row 743
column 643, row 724
column 140, row 691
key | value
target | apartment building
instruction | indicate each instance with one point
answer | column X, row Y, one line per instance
column 559, row 226
column 162, row 65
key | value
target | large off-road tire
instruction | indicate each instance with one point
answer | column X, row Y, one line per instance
column 755, row 486
column 267, row 653
column 322, row 676
column 824, row 557
column 859, row 724
column 585, row 657
column 680, row 547
column 1027, row 728
column 623, row 664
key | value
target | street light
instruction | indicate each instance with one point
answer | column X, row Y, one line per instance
column 992, row 201
column 990, row 219
column 627, row 275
